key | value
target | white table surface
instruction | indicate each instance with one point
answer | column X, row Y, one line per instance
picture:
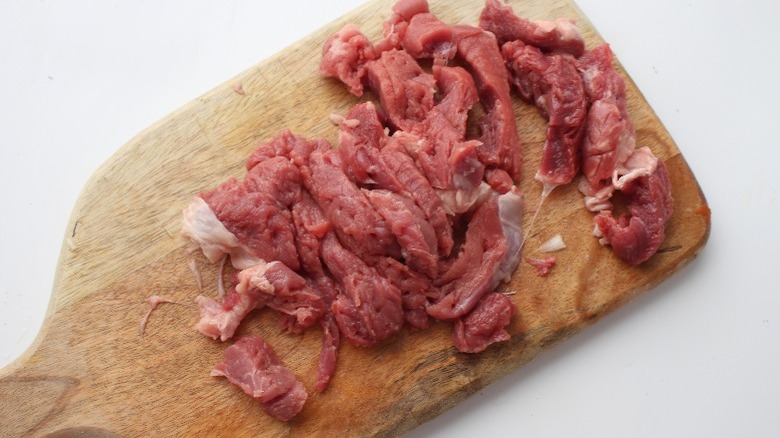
column 698, row 356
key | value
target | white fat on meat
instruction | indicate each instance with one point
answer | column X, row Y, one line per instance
column 254, row 277
column 639, row 164
column 201, row 225
column 460, row 201
column 510, row 213
column 596, row 199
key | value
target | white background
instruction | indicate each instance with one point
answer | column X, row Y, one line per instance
column 698, row 356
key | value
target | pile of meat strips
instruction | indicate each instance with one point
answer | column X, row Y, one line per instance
column 414, row 215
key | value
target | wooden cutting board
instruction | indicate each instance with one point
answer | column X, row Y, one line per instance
column 90, row 371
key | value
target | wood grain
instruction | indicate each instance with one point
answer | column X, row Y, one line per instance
column 89, row 371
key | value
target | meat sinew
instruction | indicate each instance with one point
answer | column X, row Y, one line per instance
column 253, row 366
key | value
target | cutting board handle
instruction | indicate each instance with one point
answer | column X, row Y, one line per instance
column 28, row 403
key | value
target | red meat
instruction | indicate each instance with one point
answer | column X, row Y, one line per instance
column 557, row 36
column 253, row 366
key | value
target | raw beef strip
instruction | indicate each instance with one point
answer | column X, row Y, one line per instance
column 370, row 308
column 559, row 36
column 489, row 255
column 404, row 89
column 414, row 233
column 253, row 366
column 637, row 236
column 612, row 162
column 415, row 288
column 449, row 161
column 610, row 137
column 201, row 225
column 484, row 325
column 285, row 144
column 344, row 56
column 354, row 219
column 259, row 223
column 500, row 144
column 416, row 186
column 311, row 226
column 553, row 83
column 272, row 284
column 361, row 135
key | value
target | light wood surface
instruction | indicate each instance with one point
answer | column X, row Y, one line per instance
column 90, row 371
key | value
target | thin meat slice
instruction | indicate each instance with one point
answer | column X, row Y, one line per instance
column 414, row 233
column 637, row 236
column 361, row 137
column 553, row 83
column 344, row 56
column 292, row 295
column 416, row 290
column 610, row 137
column 551, row 36
column 370, row 308
column 265, row 284
column 449, row 161
column 252, row 365
column 404, row 89
column 485, row 325
column 372, row 159
column 415, row 185
column 612, row 163
column 489, row 255
column 311, row 226
column 354, row 219
column 501, row 147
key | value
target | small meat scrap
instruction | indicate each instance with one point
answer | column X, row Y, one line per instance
column 253, row 366
column 154, row 301
column 558, row 36
column 543, row 265
column 485, row 325
column 344, row 56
